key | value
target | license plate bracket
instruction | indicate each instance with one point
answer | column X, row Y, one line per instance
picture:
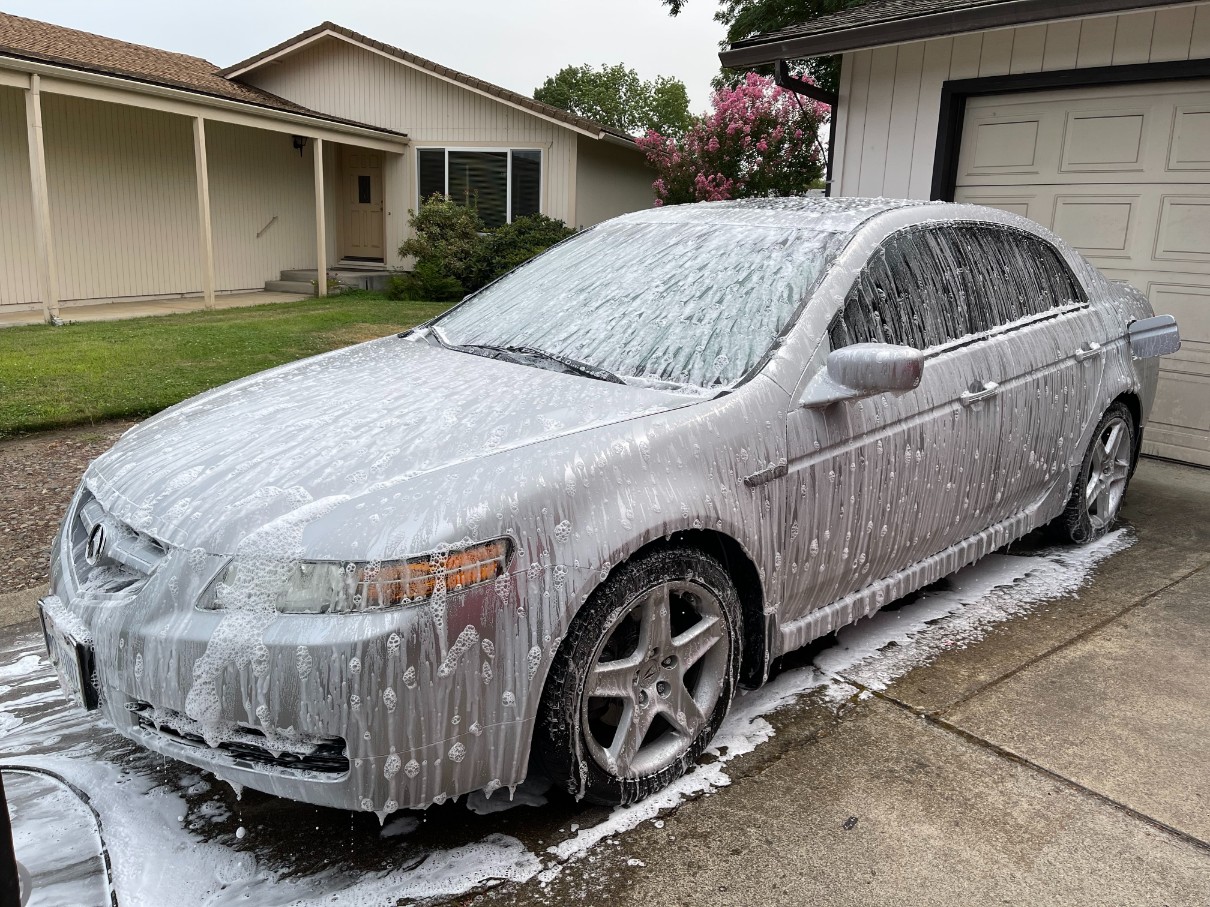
column 74, row 662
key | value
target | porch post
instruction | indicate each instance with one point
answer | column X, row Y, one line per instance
column 203, row 210
column 44, row 247
column 321, row 226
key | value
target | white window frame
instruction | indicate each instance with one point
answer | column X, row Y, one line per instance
column 489, row 149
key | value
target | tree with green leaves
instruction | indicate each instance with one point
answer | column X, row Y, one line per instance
column 617, row 97
column 749, row 18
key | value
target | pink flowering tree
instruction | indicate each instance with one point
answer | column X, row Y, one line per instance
column 758, row 140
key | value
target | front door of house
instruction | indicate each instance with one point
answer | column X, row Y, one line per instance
column 361, row 206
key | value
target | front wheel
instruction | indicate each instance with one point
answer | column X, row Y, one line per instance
column 1101, row 483
column 643, row 679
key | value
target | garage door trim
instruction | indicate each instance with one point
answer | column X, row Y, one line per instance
column 954, row 94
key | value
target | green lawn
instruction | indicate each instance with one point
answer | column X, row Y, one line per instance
column 52, row 377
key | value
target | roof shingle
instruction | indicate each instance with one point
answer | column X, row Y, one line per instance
column 30, row 39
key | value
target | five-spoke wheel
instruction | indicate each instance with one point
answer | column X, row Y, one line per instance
column 1101, row 484
column 643, row 678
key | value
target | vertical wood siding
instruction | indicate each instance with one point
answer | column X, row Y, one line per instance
column 256, row 175
column 610, row 181
column 341, row 79
column 18, row 268
column 123, row 199
column 890, row 96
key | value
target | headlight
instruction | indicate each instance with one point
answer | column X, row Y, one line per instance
column 344, row 587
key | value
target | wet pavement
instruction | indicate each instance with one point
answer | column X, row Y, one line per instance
column 1032, row 730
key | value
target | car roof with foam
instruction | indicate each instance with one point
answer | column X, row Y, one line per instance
column 837, row 215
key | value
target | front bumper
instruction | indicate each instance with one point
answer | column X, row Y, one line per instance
column 421, row 704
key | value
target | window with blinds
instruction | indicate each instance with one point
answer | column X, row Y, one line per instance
column 501, row 185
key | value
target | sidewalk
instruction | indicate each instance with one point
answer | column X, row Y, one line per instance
column 114, row 311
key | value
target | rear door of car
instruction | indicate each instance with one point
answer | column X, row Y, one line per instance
column 1025, row 300
column 879, row 484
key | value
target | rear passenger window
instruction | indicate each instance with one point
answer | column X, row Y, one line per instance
column 932, row 285
column 1017, row 275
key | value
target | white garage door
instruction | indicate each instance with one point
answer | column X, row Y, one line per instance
column 1123, row 174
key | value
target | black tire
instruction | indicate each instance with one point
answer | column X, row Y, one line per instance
column 576, row 732
column 1096, row 497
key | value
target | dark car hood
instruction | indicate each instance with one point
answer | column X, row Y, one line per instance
column 212, row 469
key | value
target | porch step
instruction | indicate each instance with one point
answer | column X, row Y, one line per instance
column 290, row 286
column 362, row 279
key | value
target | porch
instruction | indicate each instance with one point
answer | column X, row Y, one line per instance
column 126, row 203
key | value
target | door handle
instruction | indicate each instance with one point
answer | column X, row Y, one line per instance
column 1091, row 351
column 984, row 391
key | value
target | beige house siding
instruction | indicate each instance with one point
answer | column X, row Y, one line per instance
column 610, row 181
column 18, row 265
column 123, row 200
column 337, row 77
column 256, row 176
column 890, row 97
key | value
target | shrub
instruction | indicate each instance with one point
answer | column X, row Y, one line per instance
column 513, row 244
column 447, row 245
column 455, row 255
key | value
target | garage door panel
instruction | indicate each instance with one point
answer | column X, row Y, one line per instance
column 1183, row 233
column 1123, row 173
column 1104, row 141
column 1098, row 225
column 1190, row 139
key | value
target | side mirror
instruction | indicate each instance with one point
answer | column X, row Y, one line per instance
column 862, row 370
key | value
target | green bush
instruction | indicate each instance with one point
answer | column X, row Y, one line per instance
column 513, row 244
column 456, row 255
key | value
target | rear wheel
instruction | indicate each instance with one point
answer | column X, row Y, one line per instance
column 1104, row 473
column 643, row 679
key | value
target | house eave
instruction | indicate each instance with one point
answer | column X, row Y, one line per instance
column 767, row 49
column 303, row 123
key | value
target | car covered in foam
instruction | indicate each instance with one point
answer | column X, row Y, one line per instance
column 555, row 528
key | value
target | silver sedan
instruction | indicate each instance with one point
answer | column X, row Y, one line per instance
column 555, row 528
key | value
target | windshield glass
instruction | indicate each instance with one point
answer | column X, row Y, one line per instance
column 670, row 304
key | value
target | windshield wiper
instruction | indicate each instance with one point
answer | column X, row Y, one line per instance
column 528, row 355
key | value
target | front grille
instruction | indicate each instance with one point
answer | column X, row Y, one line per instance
column 119, row 557
column 325, row 755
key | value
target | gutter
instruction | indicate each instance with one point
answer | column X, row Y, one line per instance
column 782, row 77
column 786, row 45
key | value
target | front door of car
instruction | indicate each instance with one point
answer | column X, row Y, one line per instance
column 878, row 484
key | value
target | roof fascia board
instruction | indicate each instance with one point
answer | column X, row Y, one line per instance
column 115, row 90
column 329, row 33
column 935, row 25
column 286, row 51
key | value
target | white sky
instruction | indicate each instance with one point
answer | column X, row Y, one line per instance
column 514, row 43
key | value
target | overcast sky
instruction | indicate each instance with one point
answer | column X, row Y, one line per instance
column 514, row 43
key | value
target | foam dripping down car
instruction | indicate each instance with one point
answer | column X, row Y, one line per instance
column 555, row 528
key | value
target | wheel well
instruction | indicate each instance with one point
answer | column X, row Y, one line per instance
column 1131, row 401
column 746, row 577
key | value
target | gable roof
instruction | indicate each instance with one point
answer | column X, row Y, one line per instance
column 882, row 22
column 512, row 98
column 42, row 42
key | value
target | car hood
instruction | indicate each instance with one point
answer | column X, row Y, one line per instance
column 213, row 469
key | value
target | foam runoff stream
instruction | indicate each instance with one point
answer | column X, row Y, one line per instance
column 153, row 828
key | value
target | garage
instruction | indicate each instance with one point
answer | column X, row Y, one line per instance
column 1123, row 174
column 1089, row 116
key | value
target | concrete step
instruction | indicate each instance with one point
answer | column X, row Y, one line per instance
column 290, row 286
column 359, row 279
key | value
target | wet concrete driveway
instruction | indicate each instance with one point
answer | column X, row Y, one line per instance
column 1035, row 731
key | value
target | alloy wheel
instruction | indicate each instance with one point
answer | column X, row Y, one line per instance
column 655, row 679
column 1108, row 473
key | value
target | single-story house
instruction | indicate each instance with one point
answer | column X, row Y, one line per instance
column 1089, row 116
column 128, row 172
